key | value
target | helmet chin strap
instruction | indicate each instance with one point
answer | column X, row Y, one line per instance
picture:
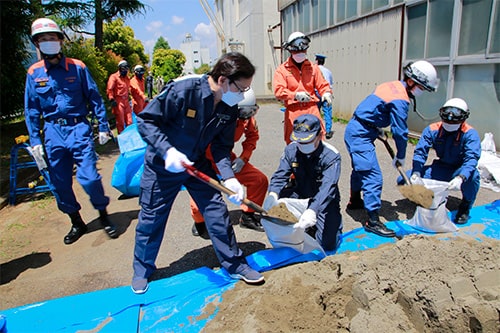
column 414, row 102
column 51, row 56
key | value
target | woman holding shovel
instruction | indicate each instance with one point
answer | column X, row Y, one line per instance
column 387, row 105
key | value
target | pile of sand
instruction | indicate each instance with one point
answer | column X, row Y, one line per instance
column 419, row 284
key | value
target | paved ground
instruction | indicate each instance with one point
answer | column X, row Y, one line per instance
column 36, row 265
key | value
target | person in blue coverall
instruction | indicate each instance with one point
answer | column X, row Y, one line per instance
column 178, row 125
column 387, row 105
column 61, row 90
column 326, row 108
column 458, row 149
column 316, row 167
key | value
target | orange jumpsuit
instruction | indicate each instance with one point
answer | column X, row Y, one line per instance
column 137, row 89
column 252, row 178
column 288, row 80
column 118, row 89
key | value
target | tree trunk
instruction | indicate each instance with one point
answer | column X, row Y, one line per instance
column 98, row 25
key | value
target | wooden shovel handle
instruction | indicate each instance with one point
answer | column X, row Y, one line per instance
column 218, row 186
column 383, row 138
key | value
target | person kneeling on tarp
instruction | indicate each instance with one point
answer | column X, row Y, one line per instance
column 458, row 148
column 316, row 167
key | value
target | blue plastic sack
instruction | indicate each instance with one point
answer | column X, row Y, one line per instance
column 127, row 172
column 130, row 139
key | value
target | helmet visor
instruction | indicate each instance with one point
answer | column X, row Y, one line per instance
column 298, row 44
column 245, row 112
column 451, row 113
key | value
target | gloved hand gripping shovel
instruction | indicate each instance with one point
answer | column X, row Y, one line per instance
column 218, row 186
column 417, row 193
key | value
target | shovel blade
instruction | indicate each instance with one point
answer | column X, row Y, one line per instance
column 418, row 194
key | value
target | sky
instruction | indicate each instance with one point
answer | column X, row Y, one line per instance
column 173, row 19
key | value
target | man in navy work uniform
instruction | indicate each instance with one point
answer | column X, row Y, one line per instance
column 387, row 105
column 59, row 90
column 316, row 167
column 178, row 125
column 458, row 148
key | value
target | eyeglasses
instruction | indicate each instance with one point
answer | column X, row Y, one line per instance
column 238, row 87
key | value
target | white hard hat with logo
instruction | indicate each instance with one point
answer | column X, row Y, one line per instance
column 248, row 106
column 423, row 73
column 455, row 109
column 44, row 25
column 297, row 41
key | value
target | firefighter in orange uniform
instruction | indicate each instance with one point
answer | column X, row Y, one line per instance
column 118, row 89
column 295, row 82
column 248, row 175
column 137, row 90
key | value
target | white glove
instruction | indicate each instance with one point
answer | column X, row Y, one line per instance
column 237, row 165
column 401, row 162
column 302, row 96
column 415, row 179
column 103, row 137
column 455, row 183
column 174, row 160
column 271, row 201
column 234, row 185
column 328, row 98
column 307, row 219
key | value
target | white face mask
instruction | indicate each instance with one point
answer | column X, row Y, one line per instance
column 307, row 148
column 50, row 48
column 451, row 127
column 416, row 91
column 232, row 98
column 299, row 57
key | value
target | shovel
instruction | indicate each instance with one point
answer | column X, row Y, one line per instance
column 419, row 194
column 218, row 186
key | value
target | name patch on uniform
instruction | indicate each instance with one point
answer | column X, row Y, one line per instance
column 41, row 81
column 191, row 113
column 295, row 164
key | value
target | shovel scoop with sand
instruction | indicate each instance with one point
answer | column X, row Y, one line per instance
column 416, row 193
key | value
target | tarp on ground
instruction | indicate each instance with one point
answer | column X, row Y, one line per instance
column 186, row 302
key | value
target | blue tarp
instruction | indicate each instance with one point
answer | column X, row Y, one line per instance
column 179, row 303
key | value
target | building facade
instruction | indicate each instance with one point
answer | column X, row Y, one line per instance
column 194, row 53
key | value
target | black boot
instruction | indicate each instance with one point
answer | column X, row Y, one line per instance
column 78, row 229
column 463, row 212
column 355, row 201
column 250, row 221
column 200, row 229
column 106, row 223
column 374, row 225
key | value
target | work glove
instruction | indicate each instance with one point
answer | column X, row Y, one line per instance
column 234, row 185
column 398, row 162
column 237, row 165
column 307, row 219
column 103, row 138
column 271, row 201
column 328, row 98
column 415, row 179
column 39, row 156
column 174, row 160
column 455, row 183
column 302, row 96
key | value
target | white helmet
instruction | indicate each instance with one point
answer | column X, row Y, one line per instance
column 454, row 109
column 123, row 64
column 139, row 69
column 423, row 73
column 297, row 41
column 248, row 106
column 44, row 25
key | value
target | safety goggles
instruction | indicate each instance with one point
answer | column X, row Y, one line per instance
column 299, row 44
column 451, row 113
column 245, row 112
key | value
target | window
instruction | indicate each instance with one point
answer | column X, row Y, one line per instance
column 474, row 27
column 495, row 30
column 440, row 23
column 415, row 37
column 315, row 14
column 340, row 10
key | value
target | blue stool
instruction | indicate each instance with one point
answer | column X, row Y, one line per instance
column 33, row 187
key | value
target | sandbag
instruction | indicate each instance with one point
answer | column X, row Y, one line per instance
column 436, row 218
column 285, row 235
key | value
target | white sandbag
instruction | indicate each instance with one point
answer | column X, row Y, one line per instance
column 436, row 218
column 286, row 235
column 488, row 143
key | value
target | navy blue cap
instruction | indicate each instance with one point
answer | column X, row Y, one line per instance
column 305, row 128
column 320, row 56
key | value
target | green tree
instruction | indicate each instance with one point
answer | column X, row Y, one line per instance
column 161, row 43
column 203, row 69
column 15, row 24
column 77, row 14
column 168, row 63
column 120, row 39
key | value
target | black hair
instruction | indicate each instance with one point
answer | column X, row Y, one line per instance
column 321, row 61
column 234, row 66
